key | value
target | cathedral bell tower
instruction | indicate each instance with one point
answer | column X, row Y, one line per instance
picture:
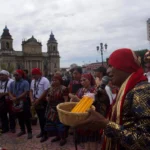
column 52, row 44
column 6, row 41
column 53, row 54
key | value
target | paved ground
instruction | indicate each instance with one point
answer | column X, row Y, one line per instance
column 9, row 141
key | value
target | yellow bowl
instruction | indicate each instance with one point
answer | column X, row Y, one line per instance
column 67, row 117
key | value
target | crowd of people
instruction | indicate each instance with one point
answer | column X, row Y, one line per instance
column 121, row 117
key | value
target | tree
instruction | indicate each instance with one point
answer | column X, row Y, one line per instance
column 9, row 67
column 3, row 66
column 141, row 53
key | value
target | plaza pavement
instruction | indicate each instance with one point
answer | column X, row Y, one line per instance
column 10, row 141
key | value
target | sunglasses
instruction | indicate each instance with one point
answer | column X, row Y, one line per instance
column 15, row 75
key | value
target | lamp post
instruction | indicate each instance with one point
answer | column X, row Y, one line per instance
column 101, row 48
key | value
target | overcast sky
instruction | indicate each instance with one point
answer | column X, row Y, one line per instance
column 78, row 25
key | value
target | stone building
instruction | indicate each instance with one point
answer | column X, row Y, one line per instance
column 31, row 55
column 148, row 29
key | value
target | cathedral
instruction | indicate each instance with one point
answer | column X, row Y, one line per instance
column 31, row 55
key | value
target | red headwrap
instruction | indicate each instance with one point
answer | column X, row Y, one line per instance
column 124, row 59
column 131, row 65
column 20, row 72
column 89, row 77
column 36, row 71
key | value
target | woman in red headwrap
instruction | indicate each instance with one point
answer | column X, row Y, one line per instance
column 87, row 137
column 57, row 94
column 88, row 85
column 128, row 123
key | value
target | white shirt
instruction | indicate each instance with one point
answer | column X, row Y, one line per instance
column 110, row 94
column 39, row 86
column 148, row 76
column 2, row 85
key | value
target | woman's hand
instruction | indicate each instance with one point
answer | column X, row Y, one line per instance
column 74, row 98
column 32, row 100
column 47, row 98
column 36, row 102
column 71, row 95
column 94, row 122
column 14, row 99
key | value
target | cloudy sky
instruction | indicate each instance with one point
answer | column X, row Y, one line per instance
column 78, row 25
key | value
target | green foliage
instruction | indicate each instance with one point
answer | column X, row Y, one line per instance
column 3, row 66
column 141, row 53
column 10, row 67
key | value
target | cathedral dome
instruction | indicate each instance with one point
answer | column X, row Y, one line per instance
column 32, row 39
column 6, row 34
column 52, row 38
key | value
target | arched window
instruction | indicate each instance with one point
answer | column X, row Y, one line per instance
column 7, row 45
column 54, row 48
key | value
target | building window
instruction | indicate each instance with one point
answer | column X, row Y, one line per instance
column 3, row 45
column 7, row 45
column 54, row 48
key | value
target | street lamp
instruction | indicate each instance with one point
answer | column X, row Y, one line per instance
column 101, row 48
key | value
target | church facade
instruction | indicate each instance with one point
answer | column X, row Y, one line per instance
column 31, row 55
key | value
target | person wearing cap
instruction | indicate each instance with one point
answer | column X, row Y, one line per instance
column 5, row 82
column 18, row 92
column 38, row 91
column 128, row 124
column 86, row 137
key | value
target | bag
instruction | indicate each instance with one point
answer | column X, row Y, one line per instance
column 51, row 114
column 3, row 107
column 17, row 107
